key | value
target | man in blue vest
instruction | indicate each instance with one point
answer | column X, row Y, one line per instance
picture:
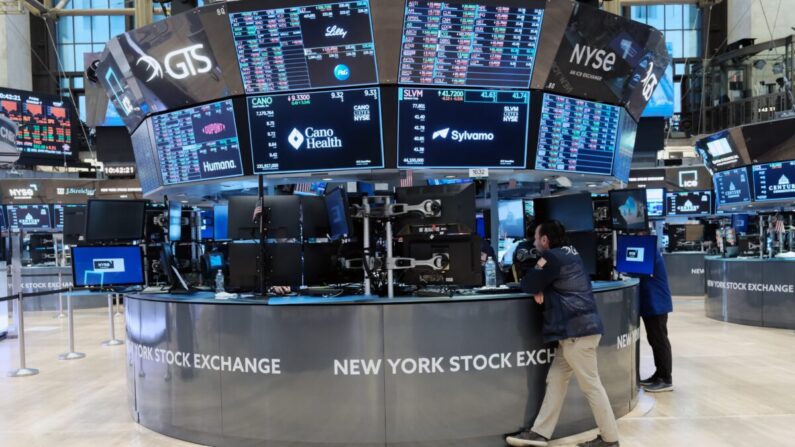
column 560, row 282
column 655, row 305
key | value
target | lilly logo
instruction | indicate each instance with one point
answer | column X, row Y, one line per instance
column 342, row 72
column 336, row 31
column 180, row 64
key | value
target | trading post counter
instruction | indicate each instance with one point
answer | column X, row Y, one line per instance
column 686, row 273
column 751, row 291
column 359, row 371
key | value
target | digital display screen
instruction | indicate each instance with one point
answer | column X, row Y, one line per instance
column 58, row 213
column 208, row 221
column 45, row 123
column 469, row 44
column 198, row 143
column 28, row 216
column 577, row 136
column 636, row 254
column 689, row 203
column 628, row 209
column 723, row 150
column 774, row 181
column 511, row 213
column 337, row 207
column 107, row 266
column 174, row 221
column 321, row 131
column 661, row 103
column 305, row 47
column 462, row 128
column 733, row 186
column 655, row 202
column 220, row 221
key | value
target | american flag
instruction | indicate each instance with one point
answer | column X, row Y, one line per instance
column 408, row 179
column 779, row 228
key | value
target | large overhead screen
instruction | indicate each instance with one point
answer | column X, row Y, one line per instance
column 316, row 131
column 774, row 181
column 689, row 203
column 732, row 187
column 182, row 60
column 723, row 150
column 323, row 45
column 580, row 136
column 470, row 43
column 199, row 143
column 462, row 128
column 593, row 54
column 45, row 123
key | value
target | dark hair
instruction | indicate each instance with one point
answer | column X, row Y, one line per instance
column 555, row 232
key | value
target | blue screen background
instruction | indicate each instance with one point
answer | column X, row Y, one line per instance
column 83, row 264
column 649, row 246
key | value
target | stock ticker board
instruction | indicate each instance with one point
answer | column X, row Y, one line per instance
column 468, row 44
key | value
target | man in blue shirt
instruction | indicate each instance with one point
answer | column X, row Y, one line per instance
column 655, row 305
column 559, row 282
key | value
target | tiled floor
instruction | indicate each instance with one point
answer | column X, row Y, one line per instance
column 735, row 385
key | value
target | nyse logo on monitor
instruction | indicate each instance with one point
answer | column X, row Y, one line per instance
column 109, row 265
column 180, row 64
column 635, row 254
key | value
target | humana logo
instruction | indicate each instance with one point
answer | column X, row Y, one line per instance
column 462, row 136
column 783, row 185
column 218, row 166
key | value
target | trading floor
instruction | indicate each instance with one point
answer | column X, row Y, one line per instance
column 734, row 386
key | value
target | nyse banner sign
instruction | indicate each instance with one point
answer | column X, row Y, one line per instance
column 596, row 55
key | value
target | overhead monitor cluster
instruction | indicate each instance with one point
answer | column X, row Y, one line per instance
column 44, row 124
column 300, row 86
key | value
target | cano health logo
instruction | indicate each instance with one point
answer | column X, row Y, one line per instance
column 783, row 186
column 462, row 136
column 312, row 138
column 342, row 72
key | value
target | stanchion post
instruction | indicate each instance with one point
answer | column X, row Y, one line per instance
column 117, row 302
column 112, row 341
column 23, row 370
column 71, row 355
column 60, row 298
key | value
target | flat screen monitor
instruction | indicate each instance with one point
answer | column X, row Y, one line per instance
column 462, row 128
column 207, row 223
column 115, row 220
column 457, row 207
column 636, row 254
column 694, row 233
column 740, row 222
column 577, row 136
column 107, row 266
column 326, row 45
column 74, row 223
column 585, row 244
column 198, row 143
column 45, row 123
column 512, row 218
column 732, row 187
column 314, row 217
column 574, row 211
column 689, row 203
column 339, row 216
column 655, row 201
column 283, row 265
column 462, row 264
column 472, row 44
column 283, row 217
column 174, row 221
column 723, row 150
column 220, row 222
column 629, row 210
column 59, row 211
column 28, row 216
column 774, row 181
column 529, row 208
column 316, row 131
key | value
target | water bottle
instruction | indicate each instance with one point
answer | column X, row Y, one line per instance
column 219, row 282
column 491, row 273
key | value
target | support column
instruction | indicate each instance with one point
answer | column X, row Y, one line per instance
column 15, row 72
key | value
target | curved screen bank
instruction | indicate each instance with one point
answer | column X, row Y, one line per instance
column 686, row 273
column 757, row 292
column 360, row 372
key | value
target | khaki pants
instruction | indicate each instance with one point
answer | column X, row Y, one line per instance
column 578, row 356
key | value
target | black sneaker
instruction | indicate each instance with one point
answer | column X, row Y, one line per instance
column 659, row 386
column 650, row 381
column 598, row 442
column 525, row 438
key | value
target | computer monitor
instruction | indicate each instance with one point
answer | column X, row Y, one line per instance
column 319, row 268
column 314, row 217
column 221, row 222
column 457, row 208
column 462, row 252
column 107, row 266
column 74, row 224
column 115, row 220
column 170, row 268
column 174, row 221
column 283, row 261
column 585, row 244
column 629, row 210
column 655, row 202
column 283, row 217
column 740, row 222
column 207, row 217
column 574, row 211
column 512, row 218
column 636, row 254
column 694, row 233
column 339, row 216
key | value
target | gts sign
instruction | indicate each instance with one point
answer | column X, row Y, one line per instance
column 592, row 57
column 180, row 64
